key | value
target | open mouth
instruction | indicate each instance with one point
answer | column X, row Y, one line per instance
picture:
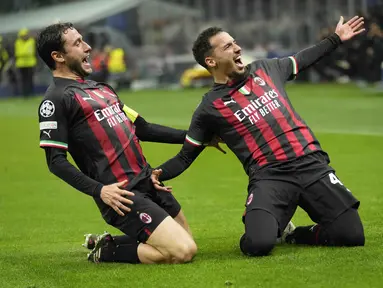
column 86, row 60
column 238, row 62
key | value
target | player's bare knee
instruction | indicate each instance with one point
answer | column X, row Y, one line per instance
column 185, row 252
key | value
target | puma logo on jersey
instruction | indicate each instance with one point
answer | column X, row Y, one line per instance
column 88, row 98
column 48, row 133
column 226, row 103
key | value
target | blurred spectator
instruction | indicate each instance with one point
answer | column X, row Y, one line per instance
column 334, row 66
column 99, row 60
column 25, row 61
column 361, row 58
column 4, row 57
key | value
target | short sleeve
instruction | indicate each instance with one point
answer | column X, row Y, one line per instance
column 200, row 132
column 53, row 122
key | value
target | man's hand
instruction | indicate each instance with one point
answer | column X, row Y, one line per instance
column 157, row 184
column 349, row 29
column 114, row 196
column 215, row 143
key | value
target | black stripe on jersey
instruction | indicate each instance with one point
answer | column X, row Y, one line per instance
column 126, row 156
column 262, row 134
column 109, row 149
column 84, row 162
column 303, row 129
column 127, row 125
column 308, row 147
column 246, row 139
column 285, row 128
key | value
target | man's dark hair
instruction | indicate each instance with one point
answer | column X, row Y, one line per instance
column 51, row 39
column 202, row 47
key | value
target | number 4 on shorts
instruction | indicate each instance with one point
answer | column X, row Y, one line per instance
column 335, row 180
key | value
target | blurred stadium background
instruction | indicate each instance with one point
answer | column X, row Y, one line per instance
column 145, row 45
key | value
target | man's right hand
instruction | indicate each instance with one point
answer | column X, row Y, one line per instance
column 114, row 196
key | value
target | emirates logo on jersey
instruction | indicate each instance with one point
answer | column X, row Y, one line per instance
column 112, row 114
column 259, row 107
column 144, row 217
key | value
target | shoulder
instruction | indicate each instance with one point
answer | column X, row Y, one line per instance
column 217, row 92
column 262, row 63
column 56, row 96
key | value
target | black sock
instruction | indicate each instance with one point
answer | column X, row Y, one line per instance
column 346, row 230
column 121, row 249
column 308, row 235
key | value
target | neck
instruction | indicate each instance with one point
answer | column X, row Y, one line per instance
column 221, row 78
column 65, row 74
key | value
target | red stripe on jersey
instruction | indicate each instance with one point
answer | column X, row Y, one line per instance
column 122, row 137
column 265, row 129
column 128, row 123
column 302, row 128
column 103, row 139
column 242, row 130
column 283, row 123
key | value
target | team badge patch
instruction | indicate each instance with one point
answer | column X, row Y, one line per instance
column 259, row 81
column 145, row 218
column 47, row 109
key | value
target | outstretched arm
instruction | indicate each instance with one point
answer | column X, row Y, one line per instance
column 291, row 66
column 178, row 164
column 199, row 133
column 153, row 132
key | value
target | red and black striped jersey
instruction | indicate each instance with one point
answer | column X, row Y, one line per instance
column 254, row 116
column 89, row 121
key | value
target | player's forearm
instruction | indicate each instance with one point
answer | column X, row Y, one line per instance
column 157, row 133
column 173, row 168
column 62, row 168
column 180, row 162
column 313, row 54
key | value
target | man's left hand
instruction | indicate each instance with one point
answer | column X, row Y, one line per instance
column 348, row 30
column 157, row 183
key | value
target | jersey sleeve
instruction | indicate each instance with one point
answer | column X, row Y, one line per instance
column 200, row 132
column 53, row 122
column 286, row 68
column 289, row 67
column 198, row 135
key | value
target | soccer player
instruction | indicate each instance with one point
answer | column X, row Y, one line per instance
column 248, row 108
column 102, row 135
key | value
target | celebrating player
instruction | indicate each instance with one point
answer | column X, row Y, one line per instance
column 102, row 135
column 249, row 109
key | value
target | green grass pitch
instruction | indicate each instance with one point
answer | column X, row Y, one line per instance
column 42, row 219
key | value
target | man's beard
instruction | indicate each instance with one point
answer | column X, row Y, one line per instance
column 238, row 75
column 76, row 67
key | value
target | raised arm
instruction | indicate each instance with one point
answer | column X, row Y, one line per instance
column 291, row 66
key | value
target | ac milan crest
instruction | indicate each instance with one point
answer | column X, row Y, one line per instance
column 145, row 218
column 259, row 81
